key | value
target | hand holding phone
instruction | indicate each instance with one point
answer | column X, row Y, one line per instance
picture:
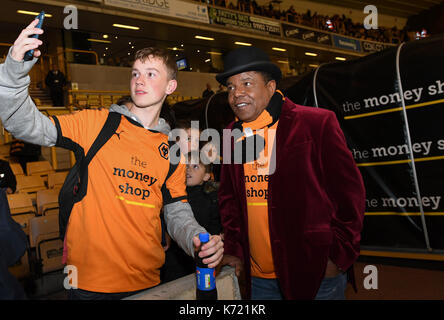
column 30, row 53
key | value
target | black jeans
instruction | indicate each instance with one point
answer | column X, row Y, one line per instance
column 57, row 97
column 79, row 294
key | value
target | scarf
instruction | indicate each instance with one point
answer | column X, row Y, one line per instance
column 256, row 143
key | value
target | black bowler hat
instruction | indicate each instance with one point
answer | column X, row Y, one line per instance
column 248, row 59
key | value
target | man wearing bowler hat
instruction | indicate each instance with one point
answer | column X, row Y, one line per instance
column 292, row 216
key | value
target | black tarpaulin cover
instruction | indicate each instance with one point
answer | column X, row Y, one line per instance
column 366, row 96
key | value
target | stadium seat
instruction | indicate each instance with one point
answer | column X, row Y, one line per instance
column 56, row 180
column 94, row 101
column 44, row 236
column 81, row 100
column 22, row 209
column 20, row 203
column 48, row 202
column 4, row 150
column 58, row 112
column 39, row 168
column 30, row 184
column 116, row 98
column 106, row 101
column 171, row 100
column 17, row 169
column 7, row 137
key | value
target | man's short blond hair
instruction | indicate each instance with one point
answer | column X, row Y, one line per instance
column 161, row 53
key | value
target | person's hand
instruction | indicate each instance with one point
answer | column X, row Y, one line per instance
column 23, row 43
column 212, row 251
column 332, row 270
column 9, row 191
column 234, row 262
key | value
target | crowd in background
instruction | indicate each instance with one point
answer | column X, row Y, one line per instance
column 338, row 23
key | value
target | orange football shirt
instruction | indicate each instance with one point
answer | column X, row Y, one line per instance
column 114, row 234
column 256, row 175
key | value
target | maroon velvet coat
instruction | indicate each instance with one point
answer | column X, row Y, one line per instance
column 316, row 202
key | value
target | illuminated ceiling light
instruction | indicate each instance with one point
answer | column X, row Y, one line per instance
column 124, row 26
column 279, row 49
column 176, row 49
column 98, row 40
column 313, row 65
column 181, row 45
column 208, row 60
column 204, row 38
column 105, row 36
column 32, row 13
column 340, row 58
column 132, row 47
column 106, row 48
column 282, row 61
column 216, row 53
column 243, row 44
column 311, row 54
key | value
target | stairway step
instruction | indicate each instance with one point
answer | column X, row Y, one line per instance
column 40, row 94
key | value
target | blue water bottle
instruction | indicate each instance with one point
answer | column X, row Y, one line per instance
column 205, row 277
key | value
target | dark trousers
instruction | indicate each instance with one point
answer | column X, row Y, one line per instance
column 10, row 288
column 57, row 96
column 177, row 264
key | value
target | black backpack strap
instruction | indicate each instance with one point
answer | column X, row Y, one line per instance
column 109, row 128
column 167, row 198
column 76, row 183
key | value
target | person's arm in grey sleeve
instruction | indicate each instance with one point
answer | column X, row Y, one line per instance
column 183, row 228
column 181, row 225
column 18, row 112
